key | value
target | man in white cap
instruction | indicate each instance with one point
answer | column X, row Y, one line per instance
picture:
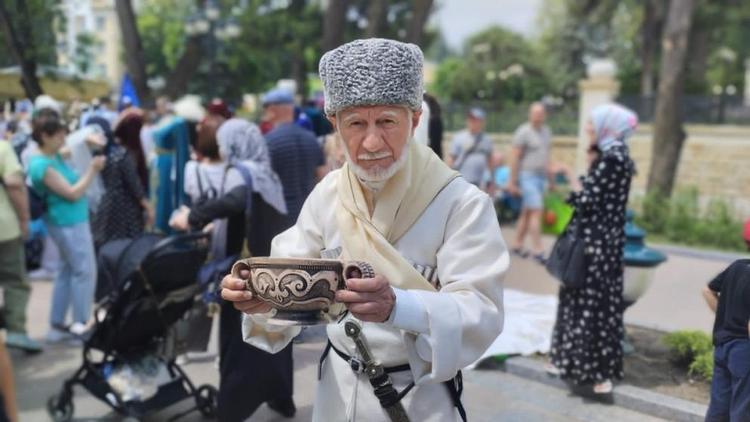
column 435, row 303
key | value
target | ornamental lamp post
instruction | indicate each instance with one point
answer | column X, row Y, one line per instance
column 640, row 267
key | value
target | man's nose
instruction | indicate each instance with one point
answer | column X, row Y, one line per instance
column 373, row 141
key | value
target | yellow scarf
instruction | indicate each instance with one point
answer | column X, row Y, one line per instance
column 399, row 205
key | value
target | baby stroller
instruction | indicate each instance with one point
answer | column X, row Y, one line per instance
column 155, row 285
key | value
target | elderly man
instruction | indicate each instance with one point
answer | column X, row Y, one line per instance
column 435, row 303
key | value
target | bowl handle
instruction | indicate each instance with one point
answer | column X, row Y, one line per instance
column 243, row 264
column 358, row 269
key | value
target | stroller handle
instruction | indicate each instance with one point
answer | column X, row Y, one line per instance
column 180, row 238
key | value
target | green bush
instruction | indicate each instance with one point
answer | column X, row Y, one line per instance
column 703, row 365
column 680, row 219
column 686, row 346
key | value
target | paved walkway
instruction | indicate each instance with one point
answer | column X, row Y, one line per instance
column 489, row 395
column 673, row 302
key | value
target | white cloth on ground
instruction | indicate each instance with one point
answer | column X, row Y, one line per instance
column 529, row 319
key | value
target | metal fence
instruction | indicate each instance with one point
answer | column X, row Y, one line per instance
column 506, row 118
column 712, row 109
column 563, row 119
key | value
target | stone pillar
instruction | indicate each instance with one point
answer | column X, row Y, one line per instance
column 747, row 82
column 600, row 87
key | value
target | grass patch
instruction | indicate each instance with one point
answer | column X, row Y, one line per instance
column 681, row 220
column 694, row 350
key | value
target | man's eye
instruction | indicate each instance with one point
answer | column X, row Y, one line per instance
column 355, row 124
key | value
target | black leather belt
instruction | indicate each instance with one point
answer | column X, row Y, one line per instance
column 455, row 386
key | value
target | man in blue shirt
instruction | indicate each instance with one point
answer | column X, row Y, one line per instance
column 296, row 155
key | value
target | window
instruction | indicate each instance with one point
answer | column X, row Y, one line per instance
column 101, row 23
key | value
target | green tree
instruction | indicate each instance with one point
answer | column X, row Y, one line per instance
column 496, row 65
column 27, row 30
column 83, row 57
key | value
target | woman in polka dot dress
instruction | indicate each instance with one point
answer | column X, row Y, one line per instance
column 586, row 341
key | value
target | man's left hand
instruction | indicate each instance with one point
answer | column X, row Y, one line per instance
column 369, row 299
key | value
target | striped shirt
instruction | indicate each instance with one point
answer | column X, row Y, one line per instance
column 295, row 155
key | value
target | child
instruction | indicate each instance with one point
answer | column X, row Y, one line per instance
column 729, row 296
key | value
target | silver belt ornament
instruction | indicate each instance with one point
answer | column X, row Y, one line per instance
column 379, row 379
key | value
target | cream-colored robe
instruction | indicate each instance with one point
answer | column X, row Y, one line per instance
column 458, row 241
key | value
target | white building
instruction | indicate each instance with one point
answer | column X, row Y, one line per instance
column 96, row 19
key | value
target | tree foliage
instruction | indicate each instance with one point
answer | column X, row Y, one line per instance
column 279, row 39
column 496, row 64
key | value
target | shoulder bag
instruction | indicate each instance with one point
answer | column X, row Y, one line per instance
column 567, row 261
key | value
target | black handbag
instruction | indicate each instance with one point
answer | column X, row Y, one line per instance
column 567, row 261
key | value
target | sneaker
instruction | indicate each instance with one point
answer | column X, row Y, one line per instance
column 58, row 335
column 79, row 330
column 551, row 369
column 540, row 259
column 520, row 253
column 22, row 341
column 603, row 388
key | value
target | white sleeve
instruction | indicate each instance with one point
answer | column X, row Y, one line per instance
column 303, row 240
column 466, row 315
column 409, row 313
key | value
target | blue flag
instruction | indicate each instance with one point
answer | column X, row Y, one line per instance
column 128, row 94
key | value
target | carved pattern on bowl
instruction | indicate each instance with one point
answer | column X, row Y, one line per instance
column 295, row 289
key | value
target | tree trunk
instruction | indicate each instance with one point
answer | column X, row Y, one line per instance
column 669, row 133
column 377, row 13
column 177, row 81
column 21, row 45
column 420, row 13
column 334, row 24
column 134, row 60
column 653, row 20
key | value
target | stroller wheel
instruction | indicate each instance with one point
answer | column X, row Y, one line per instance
column 60, row 409
column 207, row 400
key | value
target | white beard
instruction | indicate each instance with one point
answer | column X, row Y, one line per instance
column 375, row 178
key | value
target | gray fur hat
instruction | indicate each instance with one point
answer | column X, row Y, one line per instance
column 373, row 71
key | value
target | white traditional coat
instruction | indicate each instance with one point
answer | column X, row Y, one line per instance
column 457, row 245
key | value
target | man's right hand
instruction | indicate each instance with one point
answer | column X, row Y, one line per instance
column 233, row 290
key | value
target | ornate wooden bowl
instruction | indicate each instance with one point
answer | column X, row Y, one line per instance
column 301, row 290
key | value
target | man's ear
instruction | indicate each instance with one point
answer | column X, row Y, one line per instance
column 415, row 118
column 332, row 119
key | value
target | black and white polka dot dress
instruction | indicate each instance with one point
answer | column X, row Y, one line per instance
column 586, row 341
column 120, row 214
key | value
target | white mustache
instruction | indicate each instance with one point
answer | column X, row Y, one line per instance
column 374, row 155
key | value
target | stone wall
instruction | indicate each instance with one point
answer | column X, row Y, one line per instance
column 715, row 159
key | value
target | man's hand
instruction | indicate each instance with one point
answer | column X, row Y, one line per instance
column 233, row 290
column 369, row 299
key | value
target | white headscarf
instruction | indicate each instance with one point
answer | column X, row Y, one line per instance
column 241, row 143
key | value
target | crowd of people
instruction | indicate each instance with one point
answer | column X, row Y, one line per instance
column 84, row 177
column 360, row 176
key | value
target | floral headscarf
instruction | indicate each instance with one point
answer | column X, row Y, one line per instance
column 613, row 125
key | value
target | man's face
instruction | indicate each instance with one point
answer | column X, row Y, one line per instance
column 474, row 124
column 537, row 115
column 375, row 137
